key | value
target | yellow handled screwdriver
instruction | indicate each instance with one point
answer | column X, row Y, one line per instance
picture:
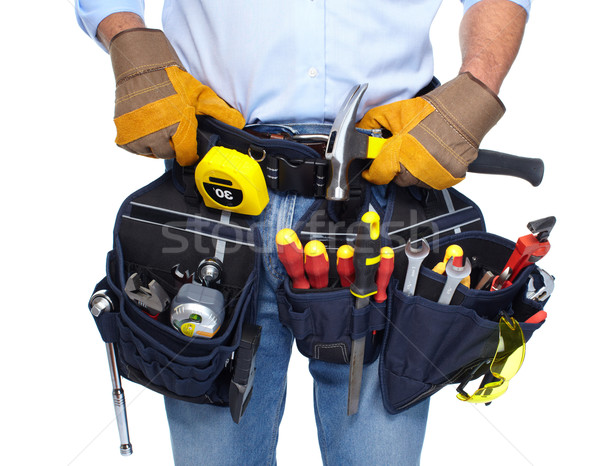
column 366, row 262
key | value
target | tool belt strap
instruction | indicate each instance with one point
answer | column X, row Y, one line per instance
column 287, row 165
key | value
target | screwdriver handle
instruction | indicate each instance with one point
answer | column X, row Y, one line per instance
column 366, row 256
column 289, row 251
column 384, row 272
column 345, row 264
column 316, row 264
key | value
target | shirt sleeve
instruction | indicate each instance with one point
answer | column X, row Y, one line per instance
column 89, row 13
column 526, row 4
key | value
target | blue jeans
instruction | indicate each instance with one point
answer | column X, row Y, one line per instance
column 205, row 434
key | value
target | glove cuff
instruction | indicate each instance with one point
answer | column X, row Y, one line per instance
column 467, row 105
column 137, row 51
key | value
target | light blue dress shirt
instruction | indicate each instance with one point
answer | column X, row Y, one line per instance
column 294, row 61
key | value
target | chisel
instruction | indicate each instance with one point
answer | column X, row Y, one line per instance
column 366, row 262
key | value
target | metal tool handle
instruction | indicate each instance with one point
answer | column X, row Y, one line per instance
column 119, row 402
column 491, row 162
column 99, row 303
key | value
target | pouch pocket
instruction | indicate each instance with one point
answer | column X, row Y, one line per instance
column 154, row 354
column 429, row 345
column 324, row 322
column 161, row 238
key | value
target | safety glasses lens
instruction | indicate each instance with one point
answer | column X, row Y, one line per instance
column 511, row 350
column 505, row 365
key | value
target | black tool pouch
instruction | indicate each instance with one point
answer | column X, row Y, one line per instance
column 325, row 321
column 428, row 345
column 423, row 345
column 161, row 237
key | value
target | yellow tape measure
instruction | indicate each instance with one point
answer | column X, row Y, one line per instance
column 230, row 180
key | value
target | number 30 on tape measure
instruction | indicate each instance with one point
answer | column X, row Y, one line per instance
column 230, row 180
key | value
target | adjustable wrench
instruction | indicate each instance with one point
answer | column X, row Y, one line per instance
column 416, row 256
column 153, row 299
column 543, row 293
column 345, row 144
column 456, row 271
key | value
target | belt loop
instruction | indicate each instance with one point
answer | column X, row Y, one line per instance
column 271, row 172
column 320, row 180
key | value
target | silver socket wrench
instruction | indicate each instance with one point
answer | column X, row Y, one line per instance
column 100, row 302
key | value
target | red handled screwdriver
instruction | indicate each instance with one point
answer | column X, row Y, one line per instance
column 316, row 264
column 289, row 251
column 345, row 264
column 384, row 272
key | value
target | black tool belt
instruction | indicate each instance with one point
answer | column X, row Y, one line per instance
column 422, row 345
column 286, row 164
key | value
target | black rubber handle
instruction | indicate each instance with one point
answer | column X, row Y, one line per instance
column 491, row 162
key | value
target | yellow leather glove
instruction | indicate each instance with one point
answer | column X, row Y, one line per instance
column 434, row 137
column 157, row 100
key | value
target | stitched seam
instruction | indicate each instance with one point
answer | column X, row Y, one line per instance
column 269, row 264
column 453, row 122
column 143, row 69
column 143, row 91
column 274, row 433
column 333, row 345
column 452, row 152
column 414, row 122
column 321, row 432
column 273, row 269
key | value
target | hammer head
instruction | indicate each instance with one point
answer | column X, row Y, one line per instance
column 344, row 145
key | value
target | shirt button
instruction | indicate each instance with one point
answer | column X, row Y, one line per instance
column 313, row 72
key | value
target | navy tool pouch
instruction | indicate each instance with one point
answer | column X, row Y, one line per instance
column 423, row 346
column 325, row 321
column 161, row 237
column 429, row 345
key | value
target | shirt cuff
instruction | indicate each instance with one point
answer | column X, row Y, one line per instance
column 90, row 13
column 526, row 4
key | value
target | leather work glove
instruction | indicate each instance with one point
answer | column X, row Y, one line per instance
column 434, row 137
column 157, row 100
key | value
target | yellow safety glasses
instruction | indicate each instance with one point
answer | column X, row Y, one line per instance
column 505, row 365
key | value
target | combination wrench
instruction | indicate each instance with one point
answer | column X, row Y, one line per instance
column 456, row 271
column 415, row 256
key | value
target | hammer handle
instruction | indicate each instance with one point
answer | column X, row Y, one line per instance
column 489, row 162
column 498, row 163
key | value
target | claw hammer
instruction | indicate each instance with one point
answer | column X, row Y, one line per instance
column 346, row 143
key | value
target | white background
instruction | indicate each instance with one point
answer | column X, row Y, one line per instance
column 64, row 180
